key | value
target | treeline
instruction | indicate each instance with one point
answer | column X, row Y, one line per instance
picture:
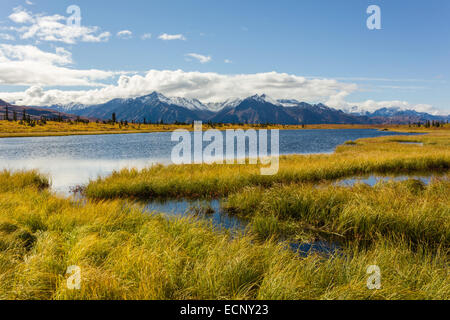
column 429, row 124
column 210, row 124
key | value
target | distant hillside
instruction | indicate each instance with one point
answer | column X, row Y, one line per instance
column 34, row 113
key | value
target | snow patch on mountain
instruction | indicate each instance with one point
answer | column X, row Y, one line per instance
column 191, row 104
column 217, row 106
column 264, row 99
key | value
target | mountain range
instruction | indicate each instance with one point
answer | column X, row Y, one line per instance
column 156, row 107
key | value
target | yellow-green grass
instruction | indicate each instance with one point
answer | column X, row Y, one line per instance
column 125, row 254
column 22, row 179
column 383, row 155
column 408, row 209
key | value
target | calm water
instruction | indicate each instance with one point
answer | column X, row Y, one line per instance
column 218, row 217
column 73, row 160
column 373, row 180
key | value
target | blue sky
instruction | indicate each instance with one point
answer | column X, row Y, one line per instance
column 406, row 63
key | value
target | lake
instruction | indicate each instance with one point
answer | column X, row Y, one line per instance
column 73, row 160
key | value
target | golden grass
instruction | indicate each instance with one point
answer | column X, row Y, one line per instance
column 408, row 210
column 22, row 179
column 125, row 254
column 383, row 155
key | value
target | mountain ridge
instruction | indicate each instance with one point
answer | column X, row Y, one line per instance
column 156, row 107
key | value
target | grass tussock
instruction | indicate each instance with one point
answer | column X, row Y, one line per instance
column 124, row 254
column 22, row 179
column 409, row 210
column 384, row 155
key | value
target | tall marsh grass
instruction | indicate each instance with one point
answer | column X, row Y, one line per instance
column 408, row 210
column 22, row 179
column 125, row 254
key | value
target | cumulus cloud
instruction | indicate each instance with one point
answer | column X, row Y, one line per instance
column 53, row 28
column 125, row 34
column 199, row 57
column 8, row 37
column 168, row 37
column 28, row 65
column 146, row 36
column 208, row 87
column 21, row 16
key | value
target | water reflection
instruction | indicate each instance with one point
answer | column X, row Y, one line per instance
column 210, row 210
column 374, row 179
column 324, row 248
column 66, row 173
column 411, row 142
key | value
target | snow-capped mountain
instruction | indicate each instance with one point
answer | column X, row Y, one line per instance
column 397, row 115
column 156, row 107
column 70, row 107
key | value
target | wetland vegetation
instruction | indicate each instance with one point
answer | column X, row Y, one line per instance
column 401, row 226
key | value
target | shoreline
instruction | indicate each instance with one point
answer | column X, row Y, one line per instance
column 169, row 128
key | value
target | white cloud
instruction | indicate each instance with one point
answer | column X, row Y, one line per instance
column 28, row 65
column 8, row 37
column 54, row 28
column 21, row 16
column 228, row 61
column 168, row 37
column 28, row 2
column 146, row 36
column 208, row 87
column 199, row 57
column 30, row 53
column 125, row 34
